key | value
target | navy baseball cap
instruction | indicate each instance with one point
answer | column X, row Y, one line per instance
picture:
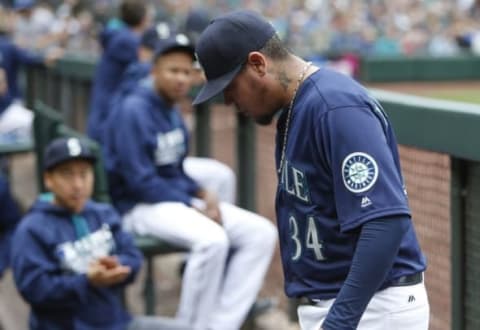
column 197, row 20
column 154, row 34
column 64, row 149
column 23, row 4
column 178, row 42
column 224, row 46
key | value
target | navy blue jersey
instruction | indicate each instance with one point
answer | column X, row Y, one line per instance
column 341, row 170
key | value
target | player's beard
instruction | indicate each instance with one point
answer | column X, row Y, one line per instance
column 265, row 119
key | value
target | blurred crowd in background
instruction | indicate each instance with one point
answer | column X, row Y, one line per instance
column 313, row 28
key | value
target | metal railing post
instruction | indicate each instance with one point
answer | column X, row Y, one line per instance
column 246, row 162
column 457, row 210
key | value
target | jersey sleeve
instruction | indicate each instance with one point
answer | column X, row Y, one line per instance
column 123, row 49
column 366, row 177
column 27, row 57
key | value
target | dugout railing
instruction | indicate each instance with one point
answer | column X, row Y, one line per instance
column 448, row 128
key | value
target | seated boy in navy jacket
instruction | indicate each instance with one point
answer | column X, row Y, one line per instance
column 70, row 257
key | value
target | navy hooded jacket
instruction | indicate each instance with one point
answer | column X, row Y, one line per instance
column 49, row 263
column 119, row 51
column 11, row 58
column 135, row 72
column 144, row 148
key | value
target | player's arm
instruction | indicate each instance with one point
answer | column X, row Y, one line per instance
column 377, row 247
column 127, row 254
column 360, row 135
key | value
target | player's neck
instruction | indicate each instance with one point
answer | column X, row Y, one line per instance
column 298, row 71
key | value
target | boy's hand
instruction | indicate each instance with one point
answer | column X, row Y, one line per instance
column 109, row 261
column 100, row 275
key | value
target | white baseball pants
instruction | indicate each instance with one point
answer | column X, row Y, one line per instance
column 395, row 308
column 16, row 123
column 212, row 175
column 216, row 295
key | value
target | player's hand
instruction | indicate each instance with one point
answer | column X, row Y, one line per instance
column 99, row 275
column 53, row 55
column 211, row 207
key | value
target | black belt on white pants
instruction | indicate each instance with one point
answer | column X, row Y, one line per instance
column 405, row 280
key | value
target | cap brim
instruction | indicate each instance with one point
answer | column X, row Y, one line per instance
column 215, row 86
column 49, row 166
column 175, row 48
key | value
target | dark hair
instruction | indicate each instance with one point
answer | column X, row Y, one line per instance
column 275, row 49
column 132, row 12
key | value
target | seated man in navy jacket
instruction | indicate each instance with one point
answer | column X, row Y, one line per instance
column 70, row 258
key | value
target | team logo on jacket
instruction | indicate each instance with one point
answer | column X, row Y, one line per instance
column 359, row 172
column 76, row 256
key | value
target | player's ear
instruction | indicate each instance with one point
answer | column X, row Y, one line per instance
column 47, row 179
column 257, row 62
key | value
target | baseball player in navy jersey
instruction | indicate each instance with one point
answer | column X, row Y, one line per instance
column 348, row 245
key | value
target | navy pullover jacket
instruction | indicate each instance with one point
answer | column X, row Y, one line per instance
column 119, row 50
column 49, row 261
column 145, row 146
column 132, row 76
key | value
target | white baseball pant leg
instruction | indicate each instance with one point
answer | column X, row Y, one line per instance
column 252, row 242
column 395, row 308
column 208, row 244
column 214, row 176
column 16, row 122
column 213, row 297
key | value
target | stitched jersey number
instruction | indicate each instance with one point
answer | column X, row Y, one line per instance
column 298, row 244
column 311, row 239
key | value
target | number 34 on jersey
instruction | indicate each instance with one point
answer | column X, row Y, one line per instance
column 305, row 241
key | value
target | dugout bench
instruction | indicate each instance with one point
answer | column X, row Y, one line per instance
column 47, row 125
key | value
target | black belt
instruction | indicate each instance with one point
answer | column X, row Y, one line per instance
column 401, row 281
column 408, row 280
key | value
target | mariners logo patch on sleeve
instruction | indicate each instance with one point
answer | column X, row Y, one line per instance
column 359, row 172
